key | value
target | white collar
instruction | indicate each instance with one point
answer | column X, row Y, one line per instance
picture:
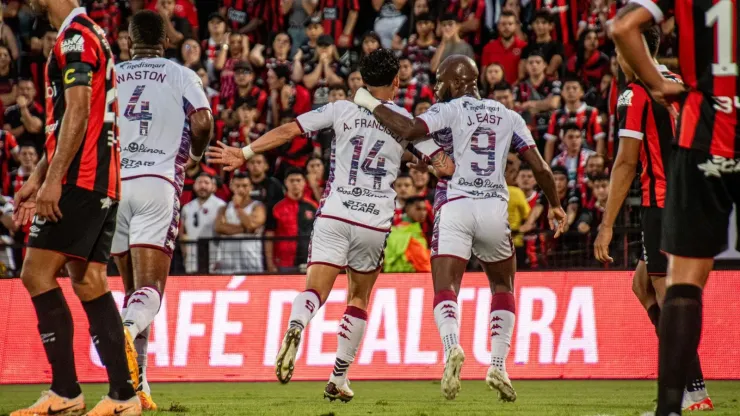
column 68, row 21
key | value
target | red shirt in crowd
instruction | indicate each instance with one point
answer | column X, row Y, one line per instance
column 335, row 13
column 8, row 146
column 496, row 53
column 183, row 8
column 293, row 218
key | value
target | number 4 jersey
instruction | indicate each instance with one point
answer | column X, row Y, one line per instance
column 365, row 159
column 82, row 57
column 156, row 98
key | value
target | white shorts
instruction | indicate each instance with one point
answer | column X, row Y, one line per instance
column 477, row 225
column 148, row 215
column 341, row 244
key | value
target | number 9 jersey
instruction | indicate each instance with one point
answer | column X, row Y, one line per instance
column 365, row 160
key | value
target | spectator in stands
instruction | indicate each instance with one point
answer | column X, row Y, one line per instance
column 8, row 38
column 565, row 16
column 191, row 175
column 244, row 17
column 577, row 112
column 470, row 14
column 405, row 34
column 314, row 30
column 8, row 87
column 354, row 82
column 244, row 127
column 595, row 18
column 121, row 48
column 9, row 153
column 574, row 157
column 265, row 189
column 34, row 65
column 526, row 182
column 294, row 217
column 422, row 46
column 404, row 187
column 492, row 76
column 28, row 158
column 243, row 219
column 410, row 90
column 537, row 96
column 336, row 93
column 421, row 189
column 593, row 211
column 370, row 42
column 106, row 14
column 518, row 207
column 213, row 96
column 589, row 63
column 178, row 28
column 507, row 49
column 183, row 8
column 451, row 43
column 391, row 16
column 7, row 230
column 315, row 182
column 325, row 70
column 25, row 119
column 295, row 153
column 551, row 50
column 339, row 20
column 278, row 54
column 198, row 220
column 246, row 89
column 298, row 14
column 421, row 107
column 407, row 248
column 190, row 52
column 285, row 94
column 216, row 47
column 502, row 93
column 595, row 165
column 238, row 50
column 570, row 200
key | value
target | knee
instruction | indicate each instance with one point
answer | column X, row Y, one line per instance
column 637, row 288
column 92, row 284
column 37, row 280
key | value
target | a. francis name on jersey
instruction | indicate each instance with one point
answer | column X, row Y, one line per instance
column 710, row 112
column 82, row 57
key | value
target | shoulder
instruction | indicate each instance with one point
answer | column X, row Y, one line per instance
column 310, row 203
column 634, row 93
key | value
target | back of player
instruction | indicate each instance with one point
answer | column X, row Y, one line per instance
column 473, row 210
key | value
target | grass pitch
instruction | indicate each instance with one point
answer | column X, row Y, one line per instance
column 413, row 398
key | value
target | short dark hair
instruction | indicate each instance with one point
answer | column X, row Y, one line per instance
column 524, row 166
column 509, row 13
column 570, row 126
column 599, row 177
column 571, row 77
column 293, row 171
column 502, row 86
column 413, row 200
column 559, row 170
column 403, row 175
column 537, row 52
column 338, row 87
column 241, row 175
column 197, row 67
column 147, row 28
column 652, row 38
column 379, row 68
column 544, row 15
column 422, row 101
column 282, row 71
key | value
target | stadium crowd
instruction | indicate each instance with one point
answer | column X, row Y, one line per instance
column 263, row 62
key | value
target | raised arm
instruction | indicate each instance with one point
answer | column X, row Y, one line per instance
column 409, row 129
column 234, row 157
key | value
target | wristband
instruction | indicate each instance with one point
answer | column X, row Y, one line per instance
column 195, row 158
column 247, row 152
column 363, row 98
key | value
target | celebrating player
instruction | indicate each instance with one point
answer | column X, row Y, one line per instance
column 158, row 97
column 74, row 195
column 647, row 139
column 703, row 181
column 355, row 213
column 472, row 206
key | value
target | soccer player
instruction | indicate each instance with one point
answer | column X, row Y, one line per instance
column 355, row 213
column 703, row 181
column 158, row 98
column 647, row 140
column 74, row 193
column 472, row 211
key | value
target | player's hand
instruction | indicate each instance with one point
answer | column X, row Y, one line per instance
column 25, row 203
column 601, row 245
column 230, row 157
column 47, row 200
column 556, row 216
column 668, row 92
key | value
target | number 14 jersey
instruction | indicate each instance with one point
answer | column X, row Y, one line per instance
column 365, row 159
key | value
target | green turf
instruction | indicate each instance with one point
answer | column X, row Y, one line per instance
column 571, row 398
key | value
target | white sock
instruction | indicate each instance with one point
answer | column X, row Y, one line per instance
column 141, row 342
column 142, row 307
column 305, row 306
column 501, row 324
column 349, row 335
column 446, row 313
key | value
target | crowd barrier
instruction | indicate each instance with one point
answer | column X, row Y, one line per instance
column 570, row 325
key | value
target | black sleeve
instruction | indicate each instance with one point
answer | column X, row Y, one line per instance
column 13, row 117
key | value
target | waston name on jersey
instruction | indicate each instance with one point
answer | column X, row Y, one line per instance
column 143, row 74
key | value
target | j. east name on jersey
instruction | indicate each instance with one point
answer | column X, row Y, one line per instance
column 138, row 73
column 485, row 117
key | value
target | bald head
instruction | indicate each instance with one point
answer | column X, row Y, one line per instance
column 456, row 76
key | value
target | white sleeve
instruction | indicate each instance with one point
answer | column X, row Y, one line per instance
column 320, row 118
column 426, row 148
column 438, row 116
column 194, row 97
column 521, row 137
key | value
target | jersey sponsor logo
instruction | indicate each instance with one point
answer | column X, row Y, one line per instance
column 74, row 44
column 625, row 99
column 141, row 148
column 51, row 91
column 358, row 192
column 718, row 165
column 330, row 13
column 361, row 207
column 132, row 164
column 480, row 183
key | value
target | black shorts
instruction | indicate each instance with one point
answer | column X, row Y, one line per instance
column 700, row 194
column 655, row 260
column 86, row 229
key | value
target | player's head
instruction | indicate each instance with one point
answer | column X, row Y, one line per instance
column 595, row 165
column 28, row 156
column 27, row 88
column 600, row 186
column 503, row 93
column 204, row 186
column 257, row 166
column 651, row 37
column 507, row 24
column 572, row 138
column 560, row 173
column 542, row 24
column 536, row 64
column 456, row 76
column 422, row 106
column 354, row 81
column 241, row 185
column 147, row 31
column 406, row 69
column 572, row 89
column 416, row 209
column 420, row 179
column 337, row 92
column 525, row 178
column 295, row 183
column 404, row 186
column 379, row 71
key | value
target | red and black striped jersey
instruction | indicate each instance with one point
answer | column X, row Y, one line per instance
column 465, row 10
column 82, row 57
column 105, row 13
column 708, row 49
column 410, row 94
column 421, row 60
column 8, row 147
column 334, row 13
column 585, row 117
column 641, row 117
column 239, row 13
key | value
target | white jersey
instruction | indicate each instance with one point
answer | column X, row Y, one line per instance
column 477, row 134
column 365, row 159
column 155, row 98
